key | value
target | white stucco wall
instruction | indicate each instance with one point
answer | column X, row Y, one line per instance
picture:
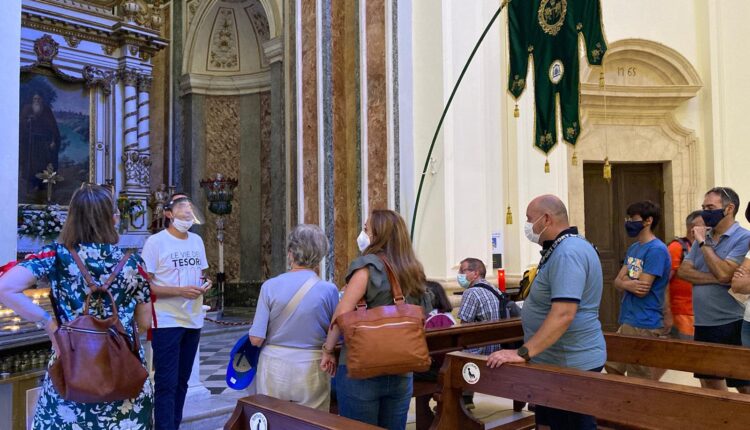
column 466, row 200
column 10, row 34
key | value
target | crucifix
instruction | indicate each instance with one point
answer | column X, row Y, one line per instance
column 50, row 177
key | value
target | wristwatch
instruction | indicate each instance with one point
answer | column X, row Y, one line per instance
column 523, row 352
column 701, row 243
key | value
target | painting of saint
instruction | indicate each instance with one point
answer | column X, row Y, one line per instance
column 53, row 130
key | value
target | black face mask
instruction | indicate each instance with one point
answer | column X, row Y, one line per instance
column 713, row 217
column 633, row 228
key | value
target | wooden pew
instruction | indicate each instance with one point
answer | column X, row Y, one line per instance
column 639, row 403
column 280, row 414
column 689, row 356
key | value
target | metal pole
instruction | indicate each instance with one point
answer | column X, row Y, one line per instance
column 445, row 112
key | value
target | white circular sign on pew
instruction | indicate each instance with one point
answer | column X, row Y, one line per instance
column 258, row 422
column 470, row 373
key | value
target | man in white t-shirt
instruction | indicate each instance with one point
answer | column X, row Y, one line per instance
column 176, row 261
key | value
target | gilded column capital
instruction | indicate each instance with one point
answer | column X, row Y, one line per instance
column 129, row 77
column 144, row 83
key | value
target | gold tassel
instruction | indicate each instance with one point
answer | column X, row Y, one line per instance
column 574, row 160
column 601, row 79
column 509, row 216
column 607, row 170
column 546, row 166
column 516, row 112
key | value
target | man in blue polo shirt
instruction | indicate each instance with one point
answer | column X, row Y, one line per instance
column 718, row 250
column 560, row 317
column 643, row 280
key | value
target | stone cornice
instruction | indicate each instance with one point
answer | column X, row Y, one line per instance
column 273, row 49
column 225, row 85
column 107, row 30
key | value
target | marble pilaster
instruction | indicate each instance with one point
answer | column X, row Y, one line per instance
column 346, row 134
column 273, row 121
column 248, row 192
column 222, row 144
column 309, row 90
column 377, row 123
column 328, row 179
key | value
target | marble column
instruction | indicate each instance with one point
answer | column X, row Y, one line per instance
column 136, row 158
column 131, row 157
column 144, row 88
column 274, row 50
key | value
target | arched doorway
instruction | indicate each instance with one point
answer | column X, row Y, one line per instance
column 632, row 122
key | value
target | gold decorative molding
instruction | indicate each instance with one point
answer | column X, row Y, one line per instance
column 72, row 40
column 108, row 49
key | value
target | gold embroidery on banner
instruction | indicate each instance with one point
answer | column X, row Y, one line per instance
column 596, row 53
column 551, row 15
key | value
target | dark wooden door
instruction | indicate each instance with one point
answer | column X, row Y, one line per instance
column 604, row 206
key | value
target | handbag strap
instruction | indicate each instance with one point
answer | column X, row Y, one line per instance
column 398, row 295
column 290, row 307
column 93, row 286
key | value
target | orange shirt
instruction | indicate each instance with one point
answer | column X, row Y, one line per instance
column 680, row 290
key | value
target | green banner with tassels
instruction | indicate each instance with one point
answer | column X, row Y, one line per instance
column 549, row 31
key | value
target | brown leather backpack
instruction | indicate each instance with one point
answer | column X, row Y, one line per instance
column 386, row 340
column 96, row 361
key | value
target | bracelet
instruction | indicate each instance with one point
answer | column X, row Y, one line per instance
column 326, row 350
column 44, row 322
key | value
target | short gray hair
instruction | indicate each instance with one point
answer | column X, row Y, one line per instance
column 308, row 245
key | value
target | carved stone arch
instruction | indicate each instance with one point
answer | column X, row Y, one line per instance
column 632, row 119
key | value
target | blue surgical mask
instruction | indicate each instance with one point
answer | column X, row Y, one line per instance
column 713, row 217
column 462, row 281
column 633, row 228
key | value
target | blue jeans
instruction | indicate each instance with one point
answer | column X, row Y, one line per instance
column 174, row 353
column 382, row 401
column 746, row 333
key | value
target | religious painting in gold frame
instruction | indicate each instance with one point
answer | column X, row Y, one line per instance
column 54, row 138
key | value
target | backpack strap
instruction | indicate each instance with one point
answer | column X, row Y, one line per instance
column 93, row 286
column 501, row 298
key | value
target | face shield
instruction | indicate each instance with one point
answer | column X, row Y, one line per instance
column 182, row 208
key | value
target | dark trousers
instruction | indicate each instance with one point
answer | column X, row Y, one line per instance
column 174, row 353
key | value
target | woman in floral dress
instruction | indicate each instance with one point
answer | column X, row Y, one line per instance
column 89, row 230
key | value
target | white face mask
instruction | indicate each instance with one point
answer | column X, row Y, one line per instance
column 363, row 241
column 528, row 230
column 181, row 225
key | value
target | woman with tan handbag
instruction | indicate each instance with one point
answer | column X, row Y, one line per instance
column 90, row 237
column 387, row 275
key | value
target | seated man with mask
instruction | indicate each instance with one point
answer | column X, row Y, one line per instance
column 175, row 260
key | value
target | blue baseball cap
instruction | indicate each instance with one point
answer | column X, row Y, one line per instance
column 243, row 362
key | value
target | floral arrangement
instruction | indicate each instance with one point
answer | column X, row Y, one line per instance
column 42, row 223
column 130, row 211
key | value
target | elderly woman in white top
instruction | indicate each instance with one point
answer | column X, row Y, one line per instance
column 291, row 322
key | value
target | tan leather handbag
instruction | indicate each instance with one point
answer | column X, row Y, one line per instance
column 96, row 360
column 386, row 340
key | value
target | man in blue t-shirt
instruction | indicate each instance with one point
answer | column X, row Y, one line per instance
column 560, row 316
column 643, row 280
